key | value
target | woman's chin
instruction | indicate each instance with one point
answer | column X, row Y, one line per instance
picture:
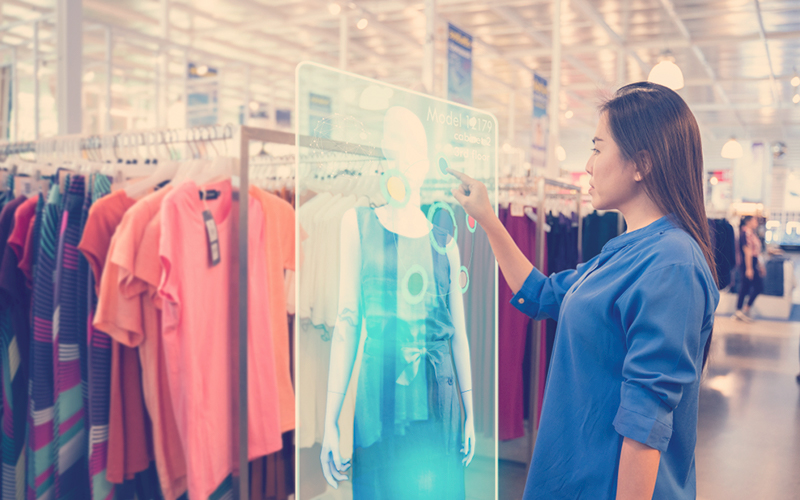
column 597, row 204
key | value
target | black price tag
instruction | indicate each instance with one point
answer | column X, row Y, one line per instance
column 213, row 237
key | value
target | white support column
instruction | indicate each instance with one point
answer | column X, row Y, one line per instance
column 15, row 93
column 512, row 117
column 162, row 103
column 185, row 96
column 622, row 53
column 248, row 98
column 157, row 96
column 554, row 93
column 109, row 79
column 69, row 28
column 36, row 80
column 344, row 39
column 429, row 55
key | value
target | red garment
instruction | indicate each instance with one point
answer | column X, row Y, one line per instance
column 22, row 220
column 512, row 333
column 26, row 263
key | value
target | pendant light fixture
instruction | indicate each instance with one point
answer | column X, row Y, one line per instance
column 666, row 72
column 732, row 149
column 795, row 79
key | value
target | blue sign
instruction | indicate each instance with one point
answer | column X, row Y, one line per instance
column 541, row 122
column 202, row 97
column 459, row 66
column 320, row 110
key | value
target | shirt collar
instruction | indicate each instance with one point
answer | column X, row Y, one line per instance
column 629, row 238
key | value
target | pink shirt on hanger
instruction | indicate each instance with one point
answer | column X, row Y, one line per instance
column 280, row 257
column 200, row 328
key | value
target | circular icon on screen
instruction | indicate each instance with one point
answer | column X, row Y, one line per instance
column 415, row 284
column 395, row 188
column 431, row 213
column 443, row 165
column 463, row 279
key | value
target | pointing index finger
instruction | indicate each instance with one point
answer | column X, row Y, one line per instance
column 461, row 176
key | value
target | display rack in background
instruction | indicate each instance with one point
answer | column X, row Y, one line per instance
column 543, row 194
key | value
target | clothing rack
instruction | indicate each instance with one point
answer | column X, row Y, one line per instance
column 79, row 145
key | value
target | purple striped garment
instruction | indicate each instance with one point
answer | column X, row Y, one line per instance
column 40, row 417
column 69, row 425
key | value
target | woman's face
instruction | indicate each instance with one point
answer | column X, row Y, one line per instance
column 752, row 223
column 614, row 179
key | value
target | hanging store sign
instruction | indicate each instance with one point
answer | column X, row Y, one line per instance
column 459, row 66
column 202, row 95
column 541, row 123
column 283, row 118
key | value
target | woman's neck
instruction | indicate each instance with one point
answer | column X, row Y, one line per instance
column 640, row 212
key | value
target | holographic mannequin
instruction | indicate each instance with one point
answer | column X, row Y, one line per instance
column 400, row 279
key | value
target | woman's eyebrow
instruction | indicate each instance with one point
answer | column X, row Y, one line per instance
column 596, row 139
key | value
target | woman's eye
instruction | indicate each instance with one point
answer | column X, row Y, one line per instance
column 594, row 150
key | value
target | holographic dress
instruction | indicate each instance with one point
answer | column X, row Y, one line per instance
column 408, row 414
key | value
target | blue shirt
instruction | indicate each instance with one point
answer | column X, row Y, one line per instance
column 632, row 326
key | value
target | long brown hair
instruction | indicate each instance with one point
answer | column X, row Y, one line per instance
column 653, row 127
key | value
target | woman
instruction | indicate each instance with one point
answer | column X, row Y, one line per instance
column 750, row 269
column 619, row 418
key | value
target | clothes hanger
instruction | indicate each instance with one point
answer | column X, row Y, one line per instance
column 163, row 172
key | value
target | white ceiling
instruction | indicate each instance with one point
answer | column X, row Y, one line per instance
column 737, row 62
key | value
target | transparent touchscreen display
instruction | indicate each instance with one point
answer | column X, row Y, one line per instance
column 396, row 294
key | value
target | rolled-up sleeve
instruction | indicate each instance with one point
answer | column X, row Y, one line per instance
column 662, row 316
column 540, row 296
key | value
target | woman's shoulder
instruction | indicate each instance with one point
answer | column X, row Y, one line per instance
column 674, row 246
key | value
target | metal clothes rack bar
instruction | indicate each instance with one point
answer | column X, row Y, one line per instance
column 247, row 135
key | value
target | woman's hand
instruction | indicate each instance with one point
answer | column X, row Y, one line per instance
column 474, row 197
column 749, row 273
column 330, row 459
column 469, row 442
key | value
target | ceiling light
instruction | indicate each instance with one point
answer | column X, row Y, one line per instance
column 732, row 149
column 667, row 73
column 561, row 154
column 714, row 181
column 88, row 77
column 506, row 147
column 796, row 98
column 362, row 23
column 334, row 8
column 796, row 81
column 569, row 114
column 254, row 106
column 202, row 70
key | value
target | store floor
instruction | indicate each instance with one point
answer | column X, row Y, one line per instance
column 748, row 443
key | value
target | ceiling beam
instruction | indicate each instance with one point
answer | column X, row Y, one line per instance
column 617, row 40
column 776, row 91
column 655, row 44
column 673, row 14
column 740, row 106
column 515, row 18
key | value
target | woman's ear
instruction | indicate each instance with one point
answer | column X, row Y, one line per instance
column 642, row 165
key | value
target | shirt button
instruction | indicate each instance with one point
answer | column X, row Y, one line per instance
column 450, row 380
column 521, row 300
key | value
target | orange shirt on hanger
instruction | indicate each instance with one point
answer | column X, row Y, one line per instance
column 133, row 320
column 129, row 435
